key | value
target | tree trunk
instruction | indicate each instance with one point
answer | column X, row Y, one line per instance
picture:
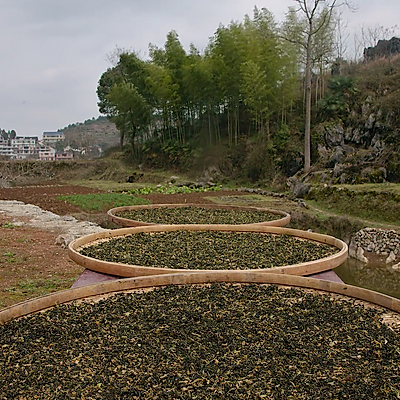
column 307, row 131
column 209, row 125
column 229, row 130
column 121, row 139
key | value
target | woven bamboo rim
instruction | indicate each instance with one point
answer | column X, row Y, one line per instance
column 125, row 270
column 112, row 217
column 122, row 285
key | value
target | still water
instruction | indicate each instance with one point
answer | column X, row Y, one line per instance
column 374, row 276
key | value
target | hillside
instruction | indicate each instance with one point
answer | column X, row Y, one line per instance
column 92, row 132
column 357, row 137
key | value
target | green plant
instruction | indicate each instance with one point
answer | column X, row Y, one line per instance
column 282, row 137
column 102, row 201
column 170, row 154
column 371, row 205
column 8, row 225
column 39, row 287
column 10, row 257
column 336, row 104
column 172, row 190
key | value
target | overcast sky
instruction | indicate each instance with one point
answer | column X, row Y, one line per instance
column 53, row 52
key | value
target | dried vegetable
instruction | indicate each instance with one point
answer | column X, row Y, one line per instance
column 197, row 215
column 208, row 250
column 202, row 342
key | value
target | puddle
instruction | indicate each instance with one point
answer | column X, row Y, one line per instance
column 374, row 276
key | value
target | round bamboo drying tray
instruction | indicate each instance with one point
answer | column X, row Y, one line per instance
column 124, row 285
column 122, row 338
column 125, row 270
column 283, row 218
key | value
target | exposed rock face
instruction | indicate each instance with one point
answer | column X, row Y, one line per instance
column 384, row 48
column 381, row 242
column 359, row 153
column 298, row 188
column 334, row 136
column 294, row 166
column 334, row 149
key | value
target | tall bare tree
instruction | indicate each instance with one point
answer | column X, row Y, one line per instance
column 315, row 16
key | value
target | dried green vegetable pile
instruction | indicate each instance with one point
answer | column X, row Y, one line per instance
column 197, row 215
column 213, row 342
column 208, row 250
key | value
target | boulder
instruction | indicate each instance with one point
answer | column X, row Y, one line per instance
column 391, row 258
column 337, row 170
column 298, row 188
column 173, row 179
column 396, row 266
column 369, row 124
column 357, row 252
column 4, row 183
column 294, row 166
column 360, row 255
column 348, row 149
column 337, row 156
column 334, row 136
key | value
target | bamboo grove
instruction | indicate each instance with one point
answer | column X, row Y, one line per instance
column 246, row 84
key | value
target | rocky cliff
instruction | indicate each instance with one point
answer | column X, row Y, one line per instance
column 363, row 144
column 384, row 48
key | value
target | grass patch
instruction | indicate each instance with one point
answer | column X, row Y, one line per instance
column 141, row 179
column 380, row 207
column 23, row 239
column 173, row 189
column 376, row 187
column 109, row 186
column 9, row 257
column 103, row 201
column 338, row 226
column 369, row 210
column 38, row 287
column 8, row 225
column 255, row 200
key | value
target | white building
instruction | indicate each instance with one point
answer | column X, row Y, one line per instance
column 51, row 138
column 45, row 153
column 31, row 148
column 66, row 155
column 24, row 147
column 6, row 149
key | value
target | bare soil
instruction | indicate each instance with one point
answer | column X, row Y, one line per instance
column 31, row 264
column 45, row 196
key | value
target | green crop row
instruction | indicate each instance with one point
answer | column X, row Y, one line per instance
column 103, row 201
column 172, row 189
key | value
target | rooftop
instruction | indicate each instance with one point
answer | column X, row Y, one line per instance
column 53, row 133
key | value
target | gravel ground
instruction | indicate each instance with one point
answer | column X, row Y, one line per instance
column 67, row 227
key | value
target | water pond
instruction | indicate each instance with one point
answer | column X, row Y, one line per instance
column 375, row 275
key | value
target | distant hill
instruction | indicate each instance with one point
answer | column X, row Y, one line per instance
column 92, row 132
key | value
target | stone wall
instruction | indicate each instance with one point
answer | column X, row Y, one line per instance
column 376, row 242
